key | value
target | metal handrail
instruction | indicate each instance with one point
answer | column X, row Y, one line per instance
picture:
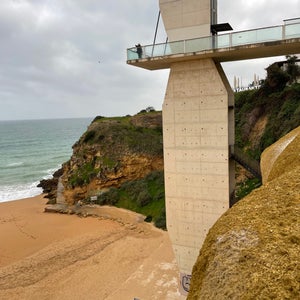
column 233, row 39
column 252, row 165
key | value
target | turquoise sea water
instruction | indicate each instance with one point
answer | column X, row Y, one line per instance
column 32, row 150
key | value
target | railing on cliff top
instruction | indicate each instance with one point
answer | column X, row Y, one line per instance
column 245, row 160
column 290, row 30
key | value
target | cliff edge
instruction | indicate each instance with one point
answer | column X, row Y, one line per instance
column 252, row 251
column 111, row 152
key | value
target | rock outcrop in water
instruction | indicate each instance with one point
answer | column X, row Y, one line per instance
column 252, row 252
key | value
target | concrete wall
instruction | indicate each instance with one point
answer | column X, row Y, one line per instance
column 198, row 126
column 199, row 178
column 185, row 19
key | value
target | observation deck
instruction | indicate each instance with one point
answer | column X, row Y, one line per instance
column 249, row 44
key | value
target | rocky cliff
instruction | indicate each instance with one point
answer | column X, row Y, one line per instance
column 112, row 151
column 252, row 252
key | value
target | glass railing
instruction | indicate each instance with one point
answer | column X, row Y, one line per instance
column 261, row 35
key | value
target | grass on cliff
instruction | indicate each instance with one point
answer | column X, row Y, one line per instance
column 114, row 137
column 83, row 175
column 145, row 196
column 120, row 133
column 281, row 108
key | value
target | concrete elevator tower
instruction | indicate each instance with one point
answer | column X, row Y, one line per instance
column 198, row 113
column 198, row 127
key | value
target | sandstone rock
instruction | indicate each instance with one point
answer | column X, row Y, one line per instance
column 111, row 152
column 275, row 160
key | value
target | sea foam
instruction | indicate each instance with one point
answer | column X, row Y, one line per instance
column 32, row 150
column 20, row 191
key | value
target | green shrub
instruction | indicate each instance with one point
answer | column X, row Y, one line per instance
column 281, row 108
column 143, row 198
column 148, row 219
column 242, row 98
column 98, row 118
column 108, row 162
column 89, row 136
column 101, row 137
column 111, row 197
column 83, row 175
column 247, row 187
column 160, row 222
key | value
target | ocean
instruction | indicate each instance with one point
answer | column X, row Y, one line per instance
column 31, row 150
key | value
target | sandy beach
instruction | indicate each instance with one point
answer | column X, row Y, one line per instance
column 60, row 256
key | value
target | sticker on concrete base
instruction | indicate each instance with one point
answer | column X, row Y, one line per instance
column 185, row 280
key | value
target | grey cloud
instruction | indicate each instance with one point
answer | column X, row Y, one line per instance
column 50, row 53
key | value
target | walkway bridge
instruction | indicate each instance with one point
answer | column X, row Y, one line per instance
column 248, row 44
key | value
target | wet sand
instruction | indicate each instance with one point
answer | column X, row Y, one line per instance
column 60, row 256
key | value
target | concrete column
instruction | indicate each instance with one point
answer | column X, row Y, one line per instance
column 186, row 19
column 197, row 128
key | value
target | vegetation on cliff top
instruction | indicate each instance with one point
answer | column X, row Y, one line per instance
column 136, row 134
column 116, row 132
column 264, row 115
column 107, row 140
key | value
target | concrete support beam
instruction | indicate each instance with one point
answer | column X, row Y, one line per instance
column 186, row 19
column 198, row 126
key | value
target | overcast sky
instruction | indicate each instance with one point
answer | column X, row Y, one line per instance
column 67, row 58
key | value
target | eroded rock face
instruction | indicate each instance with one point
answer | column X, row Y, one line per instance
column 49, row 186
column 111, row 152
column 129, row 168
column 252, row 252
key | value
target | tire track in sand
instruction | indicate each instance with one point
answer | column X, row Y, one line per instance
column 54, row 258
